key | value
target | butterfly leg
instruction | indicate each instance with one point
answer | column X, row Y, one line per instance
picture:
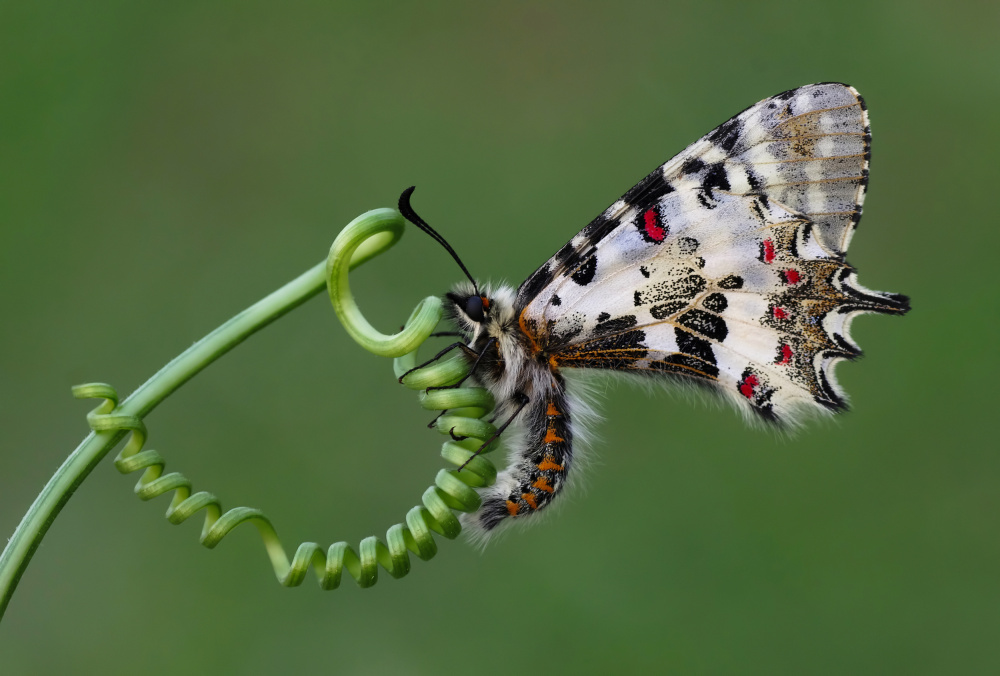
column 472, row 370
column 459, row 345
column 468, row 351
column 523, row 401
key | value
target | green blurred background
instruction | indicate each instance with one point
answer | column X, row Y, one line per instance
column 163, row 166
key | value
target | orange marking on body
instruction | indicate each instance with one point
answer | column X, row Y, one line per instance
column 553, row 364
column 530, row 499
column 551, row 437
column 486, row 302
column 552, row 410
column 543, row 485
column 524, row 329
column 548, row 463
column 512, row 508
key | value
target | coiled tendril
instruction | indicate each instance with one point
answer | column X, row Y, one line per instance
column 463, row 407
column 452, row 490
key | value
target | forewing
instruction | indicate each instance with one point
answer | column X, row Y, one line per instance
column 726, row 263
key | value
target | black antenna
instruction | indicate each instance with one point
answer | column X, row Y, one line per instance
column 411, row 215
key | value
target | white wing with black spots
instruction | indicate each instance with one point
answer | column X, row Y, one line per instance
column 726, row 263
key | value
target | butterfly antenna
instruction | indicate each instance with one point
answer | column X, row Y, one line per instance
column 411, row 215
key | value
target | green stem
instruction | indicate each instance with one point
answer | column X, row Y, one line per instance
column 95, row 446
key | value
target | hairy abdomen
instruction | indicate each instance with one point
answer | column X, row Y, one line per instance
column 538, row 467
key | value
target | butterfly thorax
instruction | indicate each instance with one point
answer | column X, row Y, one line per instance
column 509, row 365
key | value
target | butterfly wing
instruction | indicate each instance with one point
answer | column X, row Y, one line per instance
column 726, row 264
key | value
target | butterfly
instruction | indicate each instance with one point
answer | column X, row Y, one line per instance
column 724, row 267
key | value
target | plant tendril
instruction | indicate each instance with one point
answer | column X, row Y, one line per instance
column 461, row 410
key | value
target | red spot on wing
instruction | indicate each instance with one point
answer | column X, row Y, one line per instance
column 786, row 355
column 653, row 228
column 768, row 250
column 792, row 276
column 746, row 387
column 780, row 312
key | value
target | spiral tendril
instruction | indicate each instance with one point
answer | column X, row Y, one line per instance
column 453, row 490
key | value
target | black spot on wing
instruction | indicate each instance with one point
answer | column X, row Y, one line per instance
column 565, row 253
column 715, row 177
column 705, row 202
column 585, row 273
column 532, row 286
column 693, row 166
column 621, row 341
column 570, row 257
column 731, row 282
column 648, row 190
column 573, row 257
column 726, row 135
column 664, row 310
column 705, row 323
column 556, row 300
column 597, row 230
column 716, row 302
column 691, row 344
column 685, row 288
column 645, row 273
column 617, row 324
column 564, row 337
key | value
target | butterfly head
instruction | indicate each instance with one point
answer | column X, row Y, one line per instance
column 475, row 307
column 481, row 310
column 469, row 307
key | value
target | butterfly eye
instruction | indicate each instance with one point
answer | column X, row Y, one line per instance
column 474, row 307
